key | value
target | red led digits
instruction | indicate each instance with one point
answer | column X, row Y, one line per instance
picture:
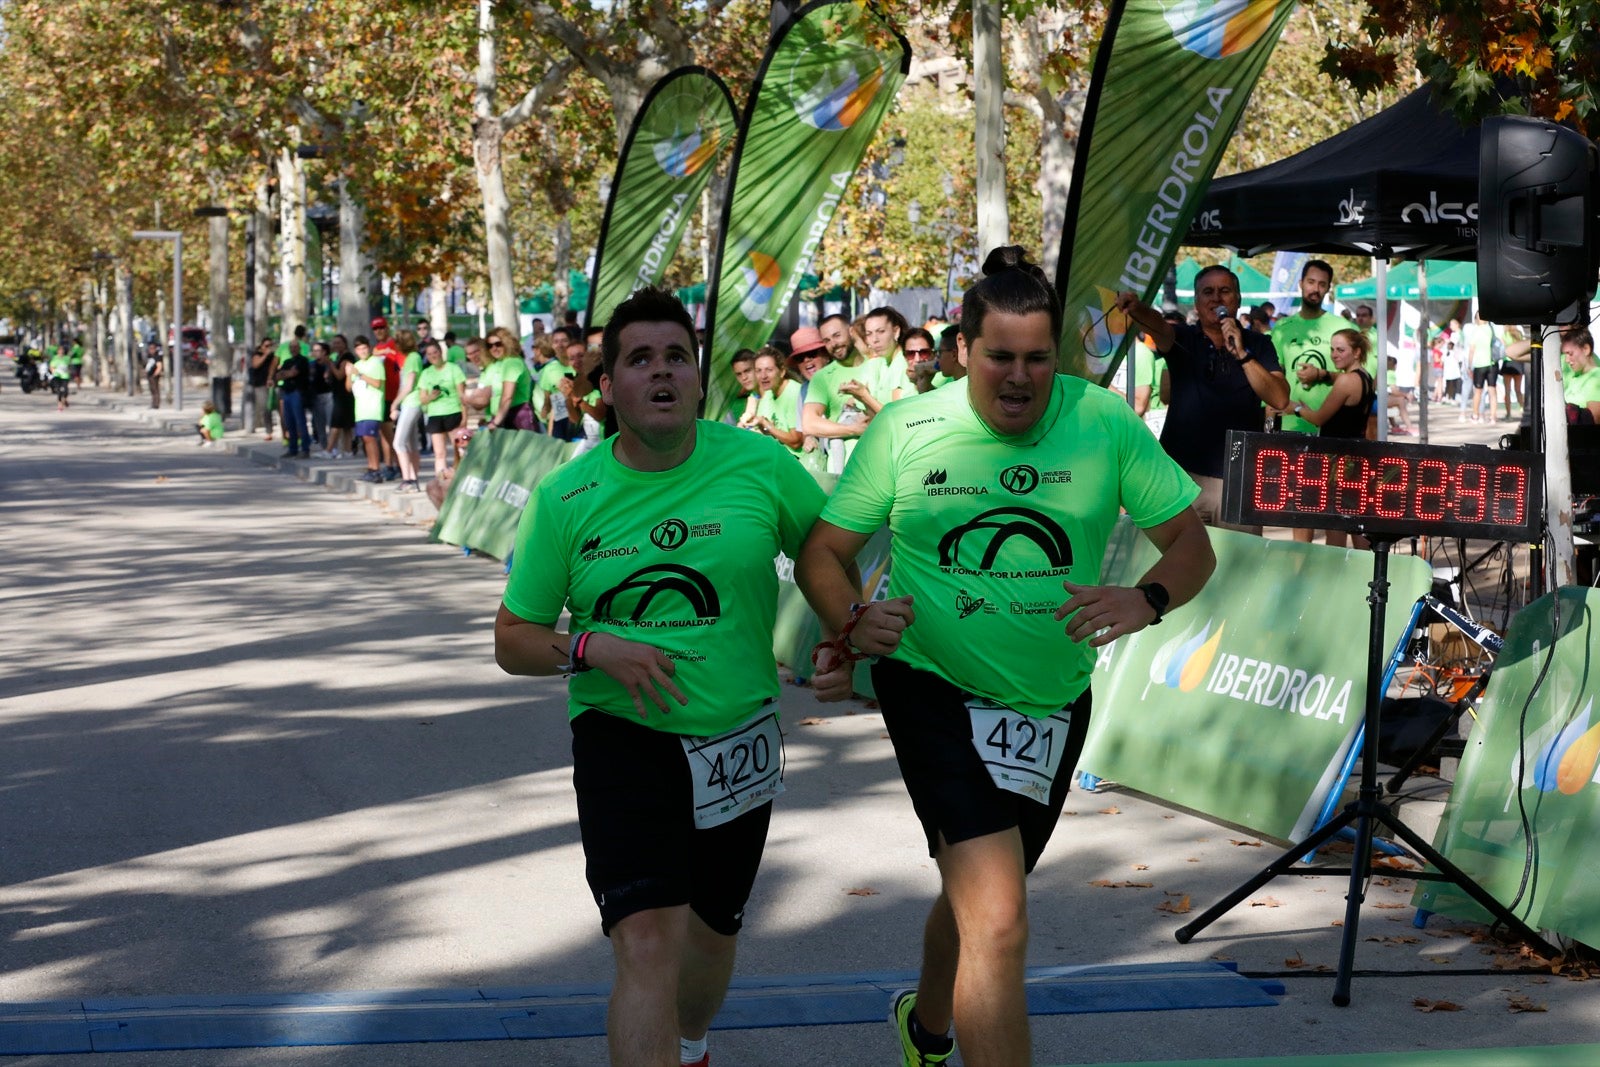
column 1272, row 479
column 1433, row 485
column 1389, row 487
column 1509, row 502
column 1380, row 487
column 1311, row 471
column 1352, row 473
column 1472, row 493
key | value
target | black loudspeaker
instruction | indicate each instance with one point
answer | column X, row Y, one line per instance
column 1537, row 196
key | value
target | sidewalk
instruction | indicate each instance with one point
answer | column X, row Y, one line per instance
column 335, row 475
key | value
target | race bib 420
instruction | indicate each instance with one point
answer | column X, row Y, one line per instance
column 735, row 771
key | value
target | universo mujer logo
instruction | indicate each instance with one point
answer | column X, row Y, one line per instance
column 1194, row 659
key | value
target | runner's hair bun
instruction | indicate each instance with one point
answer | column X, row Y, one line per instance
column 1011, row 257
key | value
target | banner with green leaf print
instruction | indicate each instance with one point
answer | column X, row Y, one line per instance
column 1171, row 78
column 492, row 483
column 683, row 128
column 823, row 89
column 1243, row 703
column 1523, row 817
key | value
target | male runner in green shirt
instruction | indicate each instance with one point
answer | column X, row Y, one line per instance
column 1000, row 492
column 1302, row 342
column 661, row 544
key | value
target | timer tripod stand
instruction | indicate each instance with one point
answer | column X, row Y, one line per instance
column 1366, row 813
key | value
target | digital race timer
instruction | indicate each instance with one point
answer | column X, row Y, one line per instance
column 1295, row 480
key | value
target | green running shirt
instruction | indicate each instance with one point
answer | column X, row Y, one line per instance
column 985, row 528
column 682, row 559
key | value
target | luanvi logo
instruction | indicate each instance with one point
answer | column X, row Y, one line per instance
column 670, row 534
column 1003, row 525
column 966, row 605
column 581, row 489
column 589, row 545
column 682, row 584
column 1019, row 480
column 934, row 478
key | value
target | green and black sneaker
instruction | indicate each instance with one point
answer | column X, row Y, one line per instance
column 918, row 1048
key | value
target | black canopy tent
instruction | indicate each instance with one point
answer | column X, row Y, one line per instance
column 1402, row 184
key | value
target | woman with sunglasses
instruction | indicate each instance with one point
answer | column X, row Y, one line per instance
column 511, row 384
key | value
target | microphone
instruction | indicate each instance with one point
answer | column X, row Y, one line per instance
column 1222, row 312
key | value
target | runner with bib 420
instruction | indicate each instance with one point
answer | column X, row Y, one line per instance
column 1000, row 491
column 661, row 543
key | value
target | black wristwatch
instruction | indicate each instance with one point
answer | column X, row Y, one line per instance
column 1155, row 594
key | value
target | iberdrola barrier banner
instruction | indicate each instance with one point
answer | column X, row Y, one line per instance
column 823, row 89
column 493, row 482
column 1243, row 703
column 1170, row 80
column 685, row 125
column 1533, row 778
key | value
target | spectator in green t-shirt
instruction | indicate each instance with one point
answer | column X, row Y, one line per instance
column 439, row 387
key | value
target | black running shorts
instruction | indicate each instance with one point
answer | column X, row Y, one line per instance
column 635, row 811
column 950, row 788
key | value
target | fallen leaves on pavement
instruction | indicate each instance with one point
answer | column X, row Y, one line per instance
column 1424, row 1004
column 1106, row 883
column 1267, row 902
column 812, row 721
column 1520, row 1003
column 1244, row 844
column 863, row 891
column 1111, row 811
column 1175, row 907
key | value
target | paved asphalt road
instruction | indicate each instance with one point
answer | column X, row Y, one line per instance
column 253, row 740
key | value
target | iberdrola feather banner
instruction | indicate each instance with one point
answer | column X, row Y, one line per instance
column 823, row 89
column 685, row 125
column 1171, row 78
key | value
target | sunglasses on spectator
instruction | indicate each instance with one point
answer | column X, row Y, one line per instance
column 914, row 353
column 496, row 344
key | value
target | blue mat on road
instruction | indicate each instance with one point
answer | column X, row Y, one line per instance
column 261, row 1020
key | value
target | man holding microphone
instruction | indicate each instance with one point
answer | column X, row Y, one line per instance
column 1218, row 376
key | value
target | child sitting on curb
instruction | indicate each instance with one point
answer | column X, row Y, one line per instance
column 210, row 425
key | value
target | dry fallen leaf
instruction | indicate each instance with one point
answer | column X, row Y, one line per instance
column 1141, row 866
column 1391, row 905
column 161, row 477
column 861, row 892
column 1520, row 1003
column 1267, row 902
column 812, row 721
column 1111, row 811
column 1244, row 844
column 1192, row 859
column 1296, row 960
column 1106, row 883
column 1174, row 907
column 1395, row 863
column 1424, row 1004
column 1169, row 816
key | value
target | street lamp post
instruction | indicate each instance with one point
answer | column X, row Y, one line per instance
column 176, row 237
